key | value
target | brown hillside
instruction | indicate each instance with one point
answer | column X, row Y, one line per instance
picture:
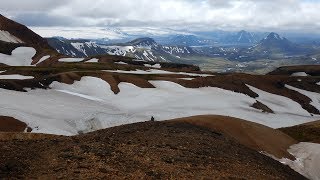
column 30, row 39
column 309, row 132
column 150, row 150
column 313, row 70
column 9, row 124
column 256, row 136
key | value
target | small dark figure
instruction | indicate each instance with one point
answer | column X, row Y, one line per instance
column 152, row 118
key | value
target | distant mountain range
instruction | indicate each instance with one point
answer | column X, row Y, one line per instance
column 243, row 46
column 141, row 48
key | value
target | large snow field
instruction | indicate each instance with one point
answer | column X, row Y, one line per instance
column 21, row 56
column 90, row 104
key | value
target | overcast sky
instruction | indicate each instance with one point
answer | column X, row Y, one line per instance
column 261, row 15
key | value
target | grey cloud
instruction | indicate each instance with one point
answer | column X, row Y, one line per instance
column 17, row 6
column 44, row 19
column 205, row 14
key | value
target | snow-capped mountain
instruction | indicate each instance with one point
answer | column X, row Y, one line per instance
column 142, row 48
column 274, row 43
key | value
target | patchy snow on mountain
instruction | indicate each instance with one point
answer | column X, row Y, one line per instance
column 21, row 56
column 7, row 37
column 15, row 76
column 315, row 97
column 119, row 50
column 307, row 160
column 71, row 59
column 81, row 47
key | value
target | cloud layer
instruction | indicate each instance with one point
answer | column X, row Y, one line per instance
column 263, row 15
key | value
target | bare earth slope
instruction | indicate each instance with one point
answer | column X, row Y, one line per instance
column 309, row 132
column 144, row 150
column 256, row 136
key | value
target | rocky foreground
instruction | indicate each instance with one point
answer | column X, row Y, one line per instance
column 148, row 150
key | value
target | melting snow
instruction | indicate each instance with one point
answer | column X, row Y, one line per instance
column 15, row 76
column 188, row 79
column 43, row 59
column 302, row 74
column 94, row 60
column 7, row 37
column 90, row 104
column 153, row 66
column 21, row 56
column 123, row 63
column 315, row 97
column 71, row 59
column 307, row 160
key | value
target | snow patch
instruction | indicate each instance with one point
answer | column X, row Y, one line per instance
column 279, row 104
column 15, row 76
column 122, row 63
column 43, row 59
column 300, row 74
column 93, row 60
column 153, row 66
column 307, row 160
column 71, row 59
column 21, row 56
column 315, row 97
column 188, row 79
column 7, row 37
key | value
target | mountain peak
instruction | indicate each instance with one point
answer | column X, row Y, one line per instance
column 275, row 36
